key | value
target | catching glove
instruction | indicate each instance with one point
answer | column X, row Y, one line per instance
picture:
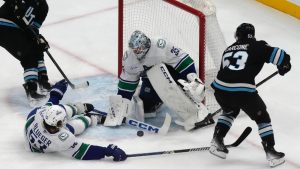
column 116, row 152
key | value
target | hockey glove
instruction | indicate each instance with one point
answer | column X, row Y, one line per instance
column 116, row 152
column 58, row 90
column 194, row 88
column 284, row 68
column 42, row 43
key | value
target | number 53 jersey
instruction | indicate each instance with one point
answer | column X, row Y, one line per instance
column 242, row 61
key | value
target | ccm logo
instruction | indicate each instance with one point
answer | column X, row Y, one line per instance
column 165, row 74
column 143, row 126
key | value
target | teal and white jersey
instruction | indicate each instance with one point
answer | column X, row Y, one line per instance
column 160, row 51
column 38, row 139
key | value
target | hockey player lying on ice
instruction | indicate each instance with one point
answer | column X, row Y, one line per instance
column 52, row 128
column 165, row 70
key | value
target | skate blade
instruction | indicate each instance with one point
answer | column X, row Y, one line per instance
column 213, row 150
column 276, row 162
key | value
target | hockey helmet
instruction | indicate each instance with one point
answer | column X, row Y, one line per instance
column 55, row 116
column 244, row 31
column 139, row 43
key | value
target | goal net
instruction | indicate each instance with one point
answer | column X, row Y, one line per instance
column 190, row 24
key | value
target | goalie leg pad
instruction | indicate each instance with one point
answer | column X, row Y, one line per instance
column 119, row 108
column 174, row 97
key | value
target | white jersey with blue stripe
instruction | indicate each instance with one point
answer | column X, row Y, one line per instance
column 38, row 139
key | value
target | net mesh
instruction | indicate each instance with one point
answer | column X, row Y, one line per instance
column 157, row 18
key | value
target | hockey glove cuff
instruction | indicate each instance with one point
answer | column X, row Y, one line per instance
column 57, row 91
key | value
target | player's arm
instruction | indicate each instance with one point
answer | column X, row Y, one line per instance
column 277, row 57
column 179, row 59
column 84, row 151
column 129, row 79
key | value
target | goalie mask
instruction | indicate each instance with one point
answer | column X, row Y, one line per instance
column 55, row 116
column 244, row 31
column 139, row 43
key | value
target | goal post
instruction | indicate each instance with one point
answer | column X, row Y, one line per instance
column 190, row 24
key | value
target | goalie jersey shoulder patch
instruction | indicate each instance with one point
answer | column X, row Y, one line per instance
column 161, row 43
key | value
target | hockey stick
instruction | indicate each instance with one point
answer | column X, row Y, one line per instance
column 242, row 137
column 257, row 85
column 83, row 85
column 163, row 130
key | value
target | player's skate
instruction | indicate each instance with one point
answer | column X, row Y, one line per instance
column 207, row 121
column 45, row 87
column 218, row 148
column 44, row 84
column 274, row 158
column 31, row 92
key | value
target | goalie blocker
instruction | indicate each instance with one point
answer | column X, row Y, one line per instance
column 186, row 101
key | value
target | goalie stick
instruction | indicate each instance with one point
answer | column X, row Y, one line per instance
column 242, row 137
column 210, row 116
column 163, row 130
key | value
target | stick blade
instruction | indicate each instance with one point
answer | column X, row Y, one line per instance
column 81, row 85
column 243, row 136
column 165, row 127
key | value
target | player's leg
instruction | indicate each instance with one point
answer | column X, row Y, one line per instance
column 256, row 109
column 150, row 99
column 43, row 79
column 21, row 46
column 230, row 109
column 79, row 124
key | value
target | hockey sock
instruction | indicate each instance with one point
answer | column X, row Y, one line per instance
column 223, row 125
column 266, row 133
column 30, row 74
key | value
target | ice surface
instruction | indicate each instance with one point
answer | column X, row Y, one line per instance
column 83, row 39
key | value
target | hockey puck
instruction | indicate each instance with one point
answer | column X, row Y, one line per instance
column 140, row 133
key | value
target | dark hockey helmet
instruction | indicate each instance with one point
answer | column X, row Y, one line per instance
column 139, row 43
column 244, row 31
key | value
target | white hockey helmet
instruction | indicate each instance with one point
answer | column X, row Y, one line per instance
column 55, row 116
column 139, row 43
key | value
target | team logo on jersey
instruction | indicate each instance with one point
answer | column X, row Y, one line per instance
column 63, row 136
column 161, row 43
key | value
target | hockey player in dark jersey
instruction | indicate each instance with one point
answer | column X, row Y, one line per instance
column 235, row 89
column 18, row 20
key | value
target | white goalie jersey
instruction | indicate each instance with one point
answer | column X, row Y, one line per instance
column 160, row 51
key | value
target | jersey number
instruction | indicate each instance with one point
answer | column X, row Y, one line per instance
column 36, row 143
column 241, row 59
column 29, row 16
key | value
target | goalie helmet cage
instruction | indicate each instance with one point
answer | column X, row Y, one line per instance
column 190, row 24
